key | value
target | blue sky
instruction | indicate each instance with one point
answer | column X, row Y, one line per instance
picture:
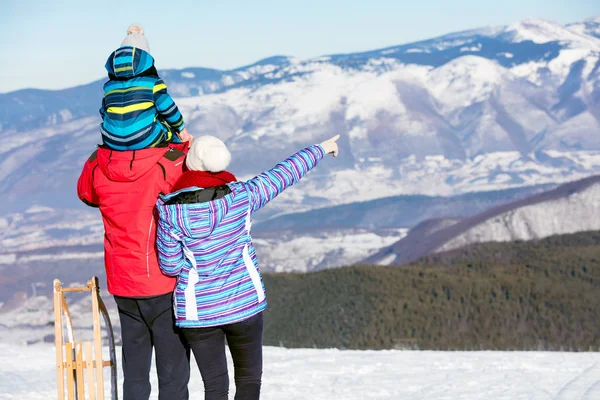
column 62, row 43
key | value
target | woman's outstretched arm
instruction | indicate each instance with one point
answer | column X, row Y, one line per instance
column 266, row 186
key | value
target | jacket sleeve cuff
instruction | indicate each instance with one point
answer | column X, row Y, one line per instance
column 319, row 150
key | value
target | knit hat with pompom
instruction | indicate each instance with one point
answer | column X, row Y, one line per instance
column 208, row 153
column 135, row 37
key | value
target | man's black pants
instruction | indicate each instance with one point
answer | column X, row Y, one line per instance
column 146, row 324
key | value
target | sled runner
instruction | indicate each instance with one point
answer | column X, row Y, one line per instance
column 81, row 362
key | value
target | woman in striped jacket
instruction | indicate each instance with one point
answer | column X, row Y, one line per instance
column 204, row 239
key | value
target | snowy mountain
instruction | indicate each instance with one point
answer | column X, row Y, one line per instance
column 590, row 27
column 477, row 110
column 570, row 208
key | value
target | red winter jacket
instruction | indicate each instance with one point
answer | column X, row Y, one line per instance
column 125, row 186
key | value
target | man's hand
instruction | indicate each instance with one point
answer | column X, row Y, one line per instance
column 185, row 136
column 331, row 146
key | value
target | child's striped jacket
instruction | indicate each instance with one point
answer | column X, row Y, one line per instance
column 204, row 239
column 137, row 112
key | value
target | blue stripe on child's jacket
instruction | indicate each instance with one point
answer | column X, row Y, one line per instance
column 209, row 248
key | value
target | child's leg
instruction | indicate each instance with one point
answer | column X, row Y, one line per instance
column 168, row 135
column 171, row 136
column 208, row 346
column 245, row 343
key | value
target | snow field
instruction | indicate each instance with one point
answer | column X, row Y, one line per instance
column 294, row 374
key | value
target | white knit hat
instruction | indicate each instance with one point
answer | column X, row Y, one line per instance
column 208, row 153
column 135, row 37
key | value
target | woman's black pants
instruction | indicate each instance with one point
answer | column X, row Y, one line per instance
column 244, row 340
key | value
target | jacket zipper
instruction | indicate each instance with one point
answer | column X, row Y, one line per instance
column 148, row 247
column 112, row 260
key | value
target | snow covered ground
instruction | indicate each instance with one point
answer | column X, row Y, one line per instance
column 28, row 373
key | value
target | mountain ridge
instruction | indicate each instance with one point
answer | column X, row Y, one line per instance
column 279, row 60
column 529, row 218
column 468, row 111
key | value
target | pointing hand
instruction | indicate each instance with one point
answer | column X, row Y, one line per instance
column 330, row 145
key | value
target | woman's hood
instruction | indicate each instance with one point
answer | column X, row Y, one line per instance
column 194, row 212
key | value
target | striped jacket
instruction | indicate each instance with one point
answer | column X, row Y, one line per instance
column 206, row 243
column 137, row 112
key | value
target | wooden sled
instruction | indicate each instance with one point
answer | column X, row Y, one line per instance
column 77, row 361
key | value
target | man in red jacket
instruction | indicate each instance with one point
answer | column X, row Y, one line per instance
column 125, row 185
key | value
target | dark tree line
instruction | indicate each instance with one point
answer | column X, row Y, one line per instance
column 522, row 296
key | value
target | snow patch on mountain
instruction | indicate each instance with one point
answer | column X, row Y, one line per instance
column 466, row 80
column 532, row 71
column 437, row 175
column 566, row 209
column 304, row 252
column 14, row 258
column 571, row 214
column 507, row 55
column 561, row 65
column 589, row 27
column 42, row 227
column 38, row 209
column 543, row 31
column 10, row 141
